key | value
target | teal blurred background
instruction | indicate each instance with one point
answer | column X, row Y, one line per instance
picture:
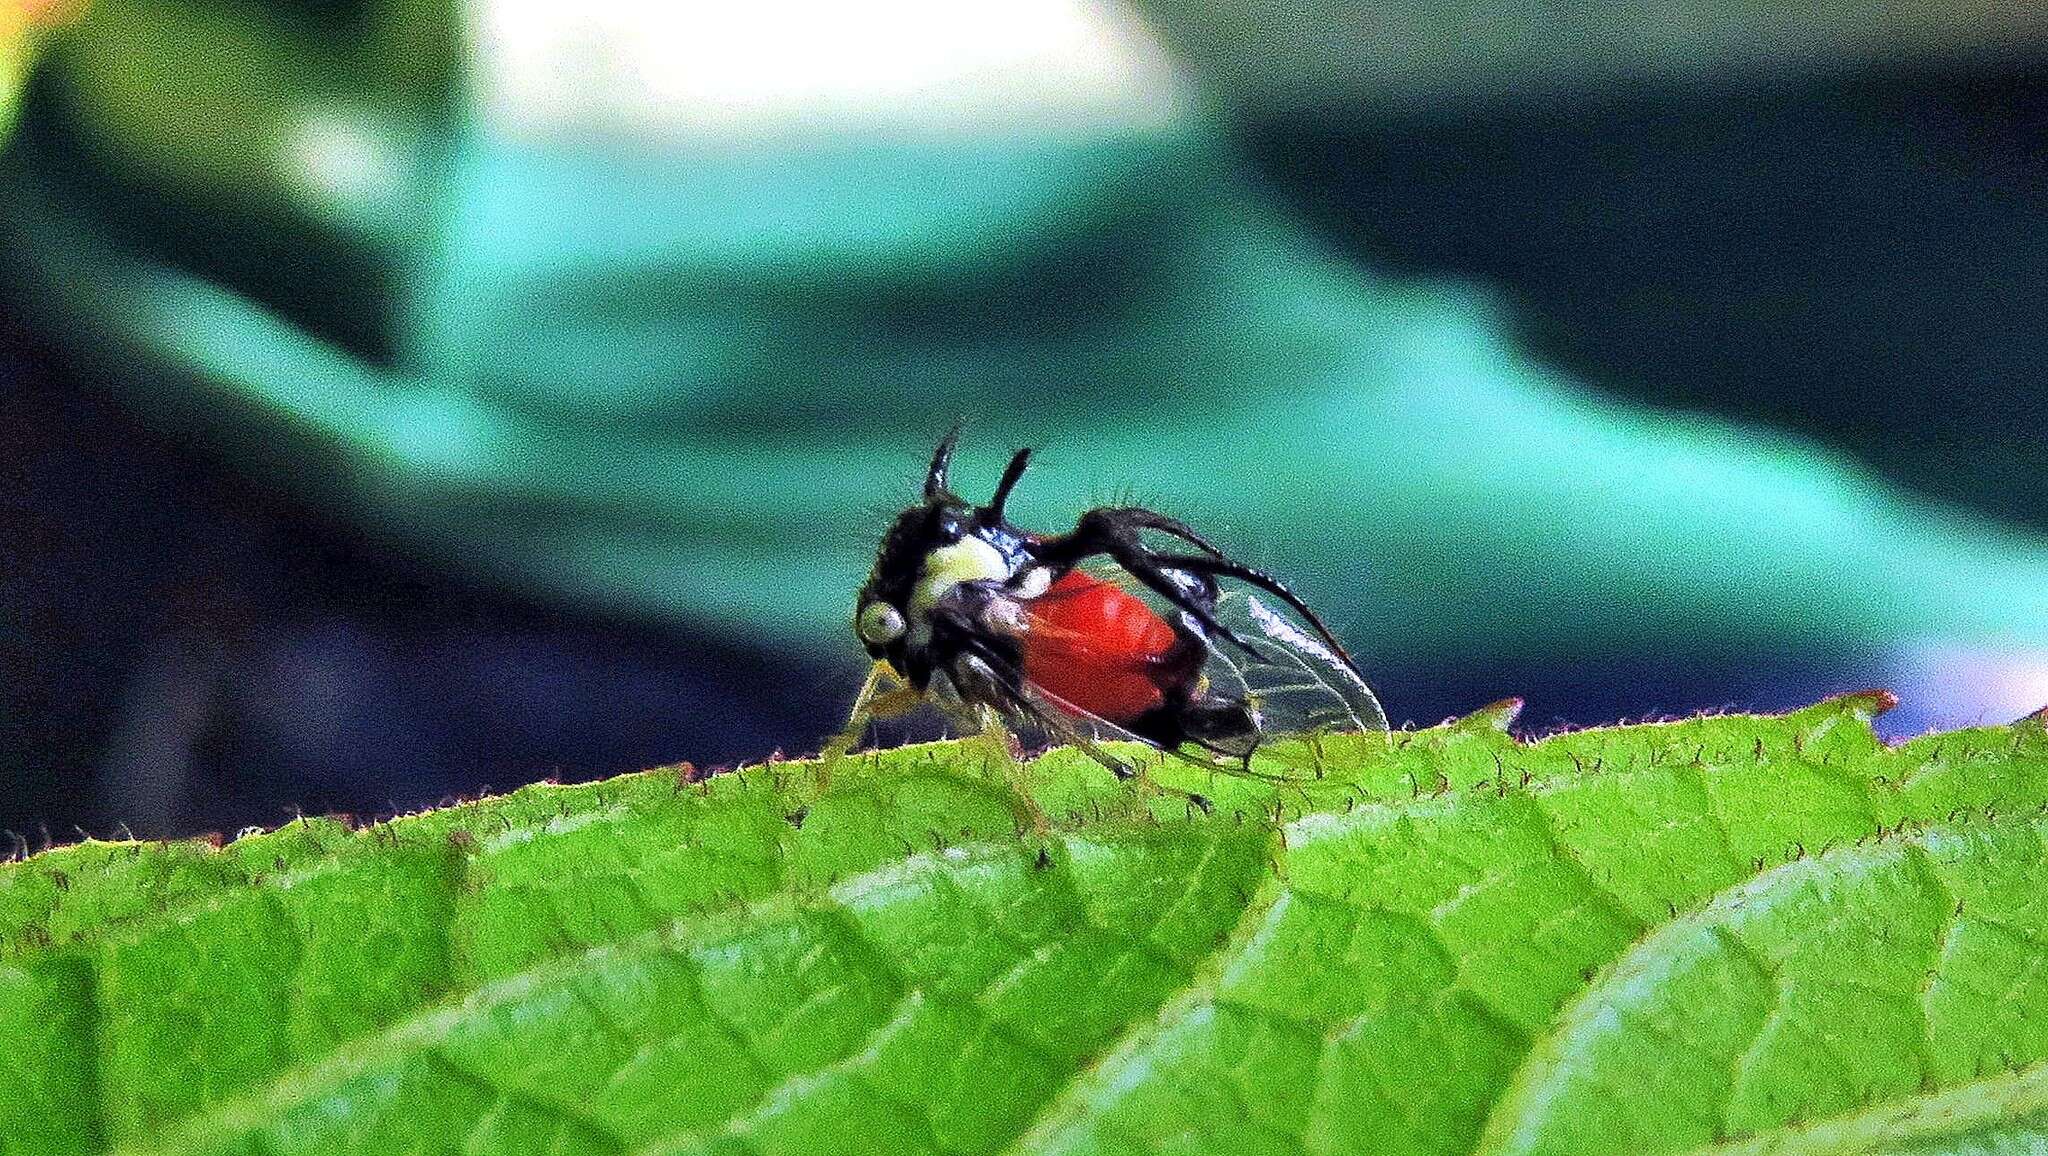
column 402, row 398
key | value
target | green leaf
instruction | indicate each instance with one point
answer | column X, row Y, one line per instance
column 1729, row 934
column 1869, row 975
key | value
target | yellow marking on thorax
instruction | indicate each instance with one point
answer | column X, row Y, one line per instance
column 968, row 560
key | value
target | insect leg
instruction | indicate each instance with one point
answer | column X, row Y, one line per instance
column 983, row 688
column 870, row 704
column 857, row 718
column 995, row 680
column 969, row 619
column 875, row 703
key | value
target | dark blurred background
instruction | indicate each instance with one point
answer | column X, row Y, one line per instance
column 400, row 400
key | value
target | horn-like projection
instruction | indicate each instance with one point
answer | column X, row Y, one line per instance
column 942, row 459
column 993, row 512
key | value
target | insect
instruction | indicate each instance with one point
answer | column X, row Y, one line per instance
column 1129, row 626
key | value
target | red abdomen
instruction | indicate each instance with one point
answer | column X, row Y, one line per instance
column 1096, row 648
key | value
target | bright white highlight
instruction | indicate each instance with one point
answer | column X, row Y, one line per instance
column 343, row 160
column 1946, row 685
column 736, row 70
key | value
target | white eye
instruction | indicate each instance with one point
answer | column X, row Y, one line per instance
column 879, row 624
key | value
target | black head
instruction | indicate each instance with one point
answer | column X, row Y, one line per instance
column 883, row 614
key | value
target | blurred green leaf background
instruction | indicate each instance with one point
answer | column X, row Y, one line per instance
column 547, row 373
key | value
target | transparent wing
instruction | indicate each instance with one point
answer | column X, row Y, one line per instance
column 1298, row 684
column 1292, row 683
column 1063, row 723
column 1298, row 687
column 1035, row 712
